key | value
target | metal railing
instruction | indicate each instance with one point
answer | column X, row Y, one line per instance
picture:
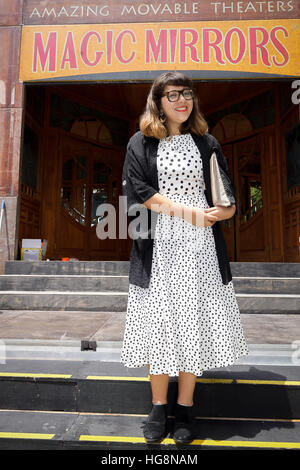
column 2, row 212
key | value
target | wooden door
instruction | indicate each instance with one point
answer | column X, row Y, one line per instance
column 89, row 176
column 228, row 226
column 251, row 230
column 104, row 188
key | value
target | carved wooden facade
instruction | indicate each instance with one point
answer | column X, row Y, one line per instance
column 62, row 151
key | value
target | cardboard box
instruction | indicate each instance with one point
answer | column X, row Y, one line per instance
column 33, row 249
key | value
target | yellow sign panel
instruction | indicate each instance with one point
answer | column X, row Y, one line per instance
column 258, row 48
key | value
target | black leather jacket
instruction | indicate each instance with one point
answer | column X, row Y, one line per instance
column 140, row 182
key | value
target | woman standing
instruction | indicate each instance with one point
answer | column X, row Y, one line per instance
column 184, row 319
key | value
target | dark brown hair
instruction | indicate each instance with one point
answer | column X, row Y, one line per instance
column 150, row 123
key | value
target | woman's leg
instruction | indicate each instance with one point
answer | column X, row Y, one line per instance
column 159, row 386
column 184, row 430
column 186, row 388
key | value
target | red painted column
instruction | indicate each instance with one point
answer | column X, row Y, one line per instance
column 11, row 113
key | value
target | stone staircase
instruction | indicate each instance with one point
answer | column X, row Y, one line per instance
column 53, row 395
column 103, row 286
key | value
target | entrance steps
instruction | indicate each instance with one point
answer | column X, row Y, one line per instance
column 53, row 395
column 83, row 404
column 103, row 286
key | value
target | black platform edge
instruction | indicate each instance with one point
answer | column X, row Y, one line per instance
column 255, row 393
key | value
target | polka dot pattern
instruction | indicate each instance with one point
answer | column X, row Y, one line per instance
column 187, row 319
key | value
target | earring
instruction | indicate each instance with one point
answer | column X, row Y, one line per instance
column 162, row 117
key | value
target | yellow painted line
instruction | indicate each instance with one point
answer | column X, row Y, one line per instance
column 203, row 442
column 269, row 382
column 27, row 374
column 140, row 440
column 109, row 377
column 201, row 380
column 25, row 435
column 262, row 444
column 225, row 381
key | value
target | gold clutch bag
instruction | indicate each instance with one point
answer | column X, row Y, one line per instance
column 219, row 184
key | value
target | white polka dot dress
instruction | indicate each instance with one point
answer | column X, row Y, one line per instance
column 187, row 319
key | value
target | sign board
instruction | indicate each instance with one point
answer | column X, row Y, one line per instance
column 206, row 49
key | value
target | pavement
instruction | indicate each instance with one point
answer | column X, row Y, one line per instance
column 109, row 326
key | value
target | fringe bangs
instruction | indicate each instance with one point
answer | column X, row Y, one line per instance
column 149, row 122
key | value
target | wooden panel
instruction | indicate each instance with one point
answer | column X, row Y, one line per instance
column 252, row 240
column 29, row 221
column 49, row 183
column 251, row 230
column 272, row 198
column 79, row 239
column 291, row 198
column 227, row 226
column 292, row 231
column 128, row 100
column 71, row 238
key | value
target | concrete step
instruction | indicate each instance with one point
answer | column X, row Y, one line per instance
column 67, row 267
column 93, row 286
column 111, row 283
column 35, row 430
column 266, row 285
column 116, row 301
column 104, row 301
column 63, row 282
column 239, row 269
column 253, row 269
column 103, row 285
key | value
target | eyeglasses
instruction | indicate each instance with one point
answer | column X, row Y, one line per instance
column 174, row 95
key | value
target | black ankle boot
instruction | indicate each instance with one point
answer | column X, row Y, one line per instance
column 155, row 427
column 184, row 424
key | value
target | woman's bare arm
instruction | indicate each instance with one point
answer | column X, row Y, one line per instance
column 194, row 215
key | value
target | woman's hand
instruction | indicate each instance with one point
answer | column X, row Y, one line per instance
column 197, row 216
column 208, row 217
column 203, row 217
column 221, row 212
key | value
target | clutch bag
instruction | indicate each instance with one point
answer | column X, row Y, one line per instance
column 218, row 182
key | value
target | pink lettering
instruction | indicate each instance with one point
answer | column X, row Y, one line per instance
column 190, row 45
column 119, row 48
column 69, row 54
column 277, row 44
column 228, row 45
column 84, row 47
column 255, row 46
column 208, row 44
column 39, row 52
column 159, row 48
